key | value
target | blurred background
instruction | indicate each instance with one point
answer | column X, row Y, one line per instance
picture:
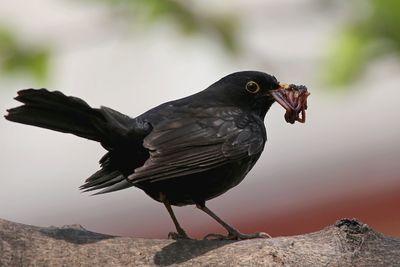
column 132, row 55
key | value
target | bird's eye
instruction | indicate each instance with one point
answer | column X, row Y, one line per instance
column 252, row 87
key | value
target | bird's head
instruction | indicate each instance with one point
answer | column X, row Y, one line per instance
column 256, row 91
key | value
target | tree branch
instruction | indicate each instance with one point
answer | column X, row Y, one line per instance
column 347, row 243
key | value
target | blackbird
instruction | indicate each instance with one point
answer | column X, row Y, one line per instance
column 181, row 152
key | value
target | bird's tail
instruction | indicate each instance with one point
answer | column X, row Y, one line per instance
column 56, row 111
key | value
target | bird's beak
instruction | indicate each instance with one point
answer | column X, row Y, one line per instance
column 293, row 98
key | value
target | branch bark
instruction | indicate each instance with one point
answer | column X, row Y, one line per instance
column 347, row 243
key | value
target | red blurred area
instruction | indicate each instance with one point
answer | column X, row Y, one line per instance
column 379, row 210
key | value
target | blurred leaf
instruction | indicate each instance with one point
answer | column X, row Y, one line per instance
column 16, row 58
column 384, row 21
column 372, row 34
column 347, row 59
column 227, row 29
column 222, row 27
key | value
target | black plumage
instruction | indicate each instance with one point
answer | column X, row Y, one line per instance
column 182, row 152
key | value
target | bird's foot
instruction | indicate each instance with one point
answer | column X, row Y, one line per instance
column 178, row 236
column 213, row 236
column 236, row 235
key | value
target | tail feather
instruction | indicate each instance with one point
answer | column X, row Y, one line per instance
column 55, row 111
column 115, row 131
column 115, row 187
column 107, row 183
column 99, row 178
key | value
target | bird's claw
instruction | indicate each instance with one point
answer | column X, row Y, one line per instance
column 236, row 236
column 215, row 237
column 178, row 236
column 240, row 236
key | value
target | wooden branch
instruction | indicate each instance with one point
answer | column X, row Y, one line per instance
column 347, row 243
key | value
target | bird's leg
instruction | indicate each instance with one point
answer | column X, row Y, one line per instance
column 180, row 233
column 233, row 234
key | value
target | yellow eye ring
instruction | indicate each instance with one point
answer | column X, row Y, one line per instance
column 252, row 87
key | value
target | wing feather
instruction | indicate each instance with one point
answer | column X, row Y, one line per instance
column 191, row 145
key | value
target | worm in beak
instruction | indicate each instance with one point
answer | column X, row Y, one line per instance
column 293, row 98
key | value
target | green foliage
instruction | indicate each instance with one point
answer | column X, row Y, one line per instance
column 374, row 33
column 367, row 35
column 15, row 58
column 348, row 57
column 221, row 27
column 384, row 21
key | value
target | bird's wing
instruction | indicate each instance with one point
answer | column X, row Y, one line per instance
column 190, row 145
column 125, row 151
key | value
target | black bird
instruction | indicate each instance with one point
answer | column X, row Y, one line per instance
column 181, row 152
